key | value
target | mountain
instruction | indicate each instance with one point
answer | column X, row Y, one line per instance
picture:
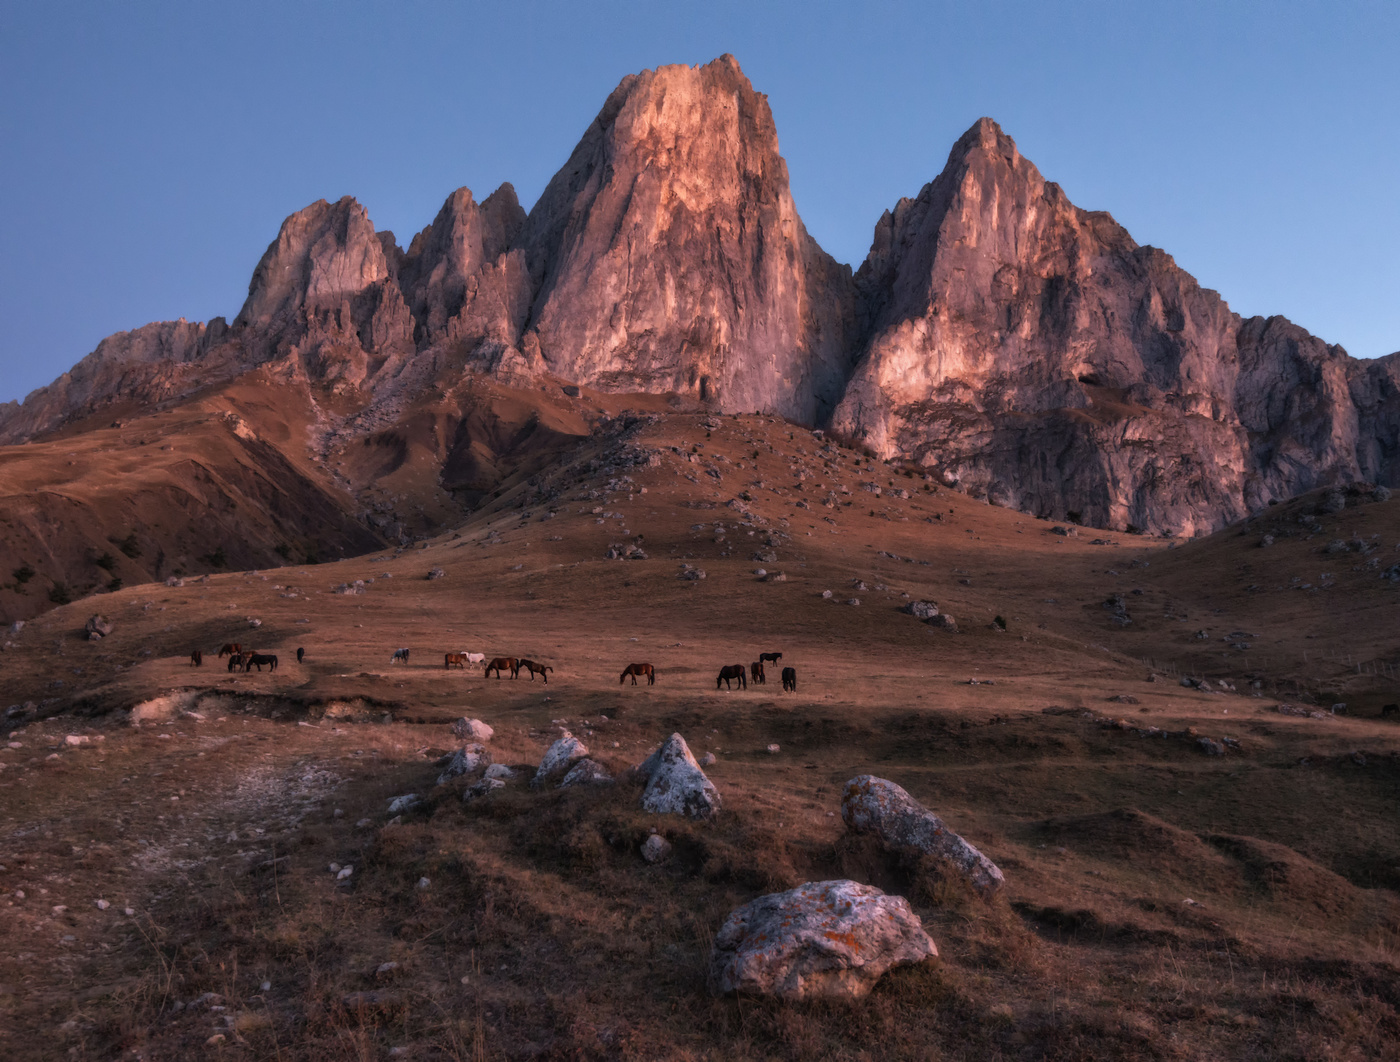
column 1021, row 347
column 1037, row 355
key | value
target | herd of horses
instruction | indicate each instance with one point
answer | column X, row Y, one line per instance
column 245, row 659
column 238, row 658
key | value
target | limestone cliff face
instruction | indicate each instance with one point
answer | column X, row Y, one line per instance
column 667, row 254
column 1033, row 351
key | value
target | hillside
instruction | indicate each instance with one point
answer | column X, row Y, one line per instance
column 1161, row 901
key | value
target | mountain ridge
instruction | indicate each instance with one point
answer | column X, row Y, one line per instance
column 996, row 334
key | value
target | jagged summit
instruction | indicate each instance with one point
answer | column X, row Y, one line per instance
column 1019, row 345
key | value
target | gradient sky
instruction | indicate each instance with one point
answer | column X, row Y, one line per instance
column 149, row 151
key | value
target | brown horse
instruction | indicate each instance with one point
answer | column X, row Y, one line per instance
column 756, row 673
column 231, row 649
column 789, row 679
column 534, row 669
column 196, row 659
column 638, row 669
column 454, row 660
column 764, row 658
column 503, row 663
column 732, row 671
column 237, row 660
column 257, row 660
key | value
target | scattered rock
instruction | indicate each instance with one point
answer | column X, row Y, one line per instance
column 943, row 620
column 403, row 803
column 656, row 848
column 773, row 750
column 824, row 939
column 586, row 772
column 707, row 760
column 874, row 805
column 924, row 610
column 436, row 573
column 675, row 784
column 558, row 759
column 97, row 625
column 472, row 730
column 1209, row 747
column 499, row 771
column 467, row 760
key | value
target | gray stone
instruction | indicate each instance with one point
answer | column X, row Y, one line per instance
column 558, row 759
column 472, row 730
column 880, row 807
column 98, row 625
column 467, row 760
column 656, row 848
column 403, row 803
column 824, row 939
column 586, row 772
column 924, row 610
column 675, row 784
column 501, row 771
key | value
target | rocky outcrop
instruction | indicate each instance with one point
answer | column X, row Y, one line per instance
column 1035, row 354
column 675, row 784
column 821, row 940
column 881, row 808
column 667, row 254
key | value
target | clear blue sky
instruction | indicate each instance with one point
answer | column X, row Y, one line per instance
column 149, row 151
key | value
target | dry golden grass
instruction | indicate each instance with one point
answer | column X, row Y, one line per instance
column 543, row 933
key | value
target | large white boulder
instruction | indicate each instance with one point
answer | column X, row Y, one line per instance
column 675, row 784
column 875, row 805
column 831, row 939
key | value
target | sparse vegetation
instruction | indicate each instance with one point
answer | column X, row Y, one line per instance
column 216, row 558
column 60, row 594
column 23, row 574
column 106, row 561
column 130, row 546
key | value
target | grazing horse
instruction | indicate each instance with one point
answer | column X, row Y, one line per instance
column 237, row 660
column 1389, row 709
column 196, row 659
column 257, row 660
column 789, row 679
column 507, row 663
column 638, row 669
column 230, row 649
column 454, row 660
column 732, row 671
column 756, row 673
column 534, row 669
column 769, row 657
column 400, row 656
column 300, row 653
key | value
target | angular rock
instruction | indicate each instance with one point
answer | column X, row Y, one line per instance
column 486, row 785
column 98, row 625
column 500, row 771
column 558, row 759
column 472, row 730
column 924, row 610
column 675, row 784
column 880, row 807
column 824, row 939
column 586, row 772
column 467, row 760
column 402, row 803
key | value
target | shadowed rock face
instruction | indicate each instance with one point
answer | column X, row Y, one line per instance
column 1035, row 353
column 668, row 256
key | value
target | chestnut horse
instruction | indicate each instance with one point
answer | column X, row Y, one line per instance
column 756, row 673
column 231, row 649
column 507, row 663
column 454, row 660
column 534, row 669
column 638, row 669
column 732, row 671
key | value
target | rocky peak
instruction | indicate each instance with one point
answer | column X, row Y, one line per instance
column 444, row 257
column 667, row 254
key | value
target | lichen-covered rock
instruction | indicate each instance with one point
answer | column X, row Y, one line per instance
column 586, row 772
column 675, row 784
column 467, row 760
column 877, row 806
column 472, row 730
column 924, row 610
column 558, row 759
column 824, row 939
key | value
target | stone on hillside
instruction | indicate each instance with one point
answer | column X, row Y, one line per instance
column 558, row 759
column 466, row 760
column 403, row 803
column 586, row 772
column 472, row 730
column 943, row 620
column 499, row 771
column 875, row 805
column 437, row 573
column 656, row 848
column 487, row 784
column 98, row 625
column 675, row 784
column 924, row 610
column 824, row 939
